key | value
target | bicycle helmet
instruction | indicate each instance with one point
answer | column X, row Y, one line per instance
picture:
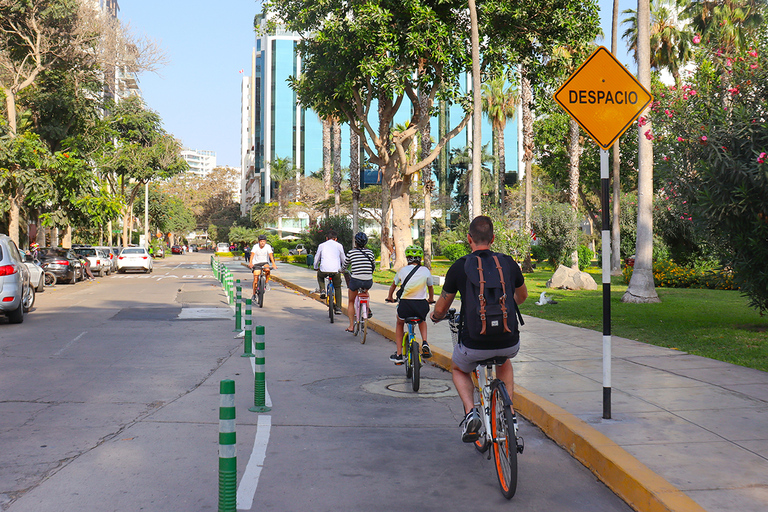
column 262, row 237
column 361, row 239
column 414, row 251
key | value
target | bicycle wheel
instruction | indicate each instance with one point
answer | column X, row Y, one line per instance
column 407, row 356
column 481, row 444
column 329, row 293
column 416, row 363
column 356, row 318
column 262, row 285
column 504, row 446
column 50, row 279
column 364, row 321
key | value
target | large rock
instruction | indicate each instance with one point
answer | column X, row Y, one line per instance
column 570, row 279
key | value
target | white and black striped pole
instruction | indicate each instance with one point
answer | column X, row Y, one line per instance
column 227, row 447
column 606, row 221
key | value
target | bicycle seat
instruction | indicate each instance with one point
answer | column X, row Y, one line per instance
column 412, row 320
column 496, row 360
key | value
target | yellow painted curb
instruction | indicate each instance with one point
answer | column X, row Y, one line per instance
column 631, row 480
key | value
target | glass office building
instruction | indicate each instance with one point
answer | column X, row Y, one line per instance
column 282, row 128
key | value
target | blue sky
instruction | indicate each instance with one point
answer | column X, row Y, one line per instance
column 207, row 43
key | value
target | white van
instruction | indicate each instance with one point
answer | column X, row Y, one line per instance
column 222, row 247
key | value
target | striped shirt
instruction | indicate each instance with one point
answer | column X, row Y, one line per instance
column 360, row 263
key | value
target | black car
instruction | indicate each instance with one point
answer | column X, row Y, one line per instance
column 63, row 263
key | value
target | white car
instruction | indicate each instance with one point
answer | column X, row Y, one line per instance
column 36, row 277
column 134, row 258
column 222, row 247
column 98, row 260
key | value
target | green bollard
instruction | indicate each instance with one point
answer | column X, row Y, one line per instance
column 227, row 448
column 259, row 379
column 238, row 308
column 247, row 343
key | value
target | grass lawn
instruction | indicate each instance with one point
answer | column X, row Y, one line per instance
column 712, row 323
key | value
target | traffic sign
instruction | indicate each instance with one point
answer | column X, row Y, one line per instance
column 603, row 97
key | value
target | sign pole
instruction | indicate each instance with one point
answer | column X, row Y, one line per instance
column 606, row 221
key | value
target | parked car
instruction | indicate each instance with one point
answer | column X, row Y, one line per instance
column 222, row 247
column 192, row 247
column 134, row 258
column 63, row 263
column 99, row 261
column 36, row 274
column 299, row 249
column 177, row 249
column 112, row 254
column 16, row 294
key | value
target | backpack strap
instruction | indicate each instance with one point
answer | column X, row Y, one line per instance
column 503, row 299
column 481, row 297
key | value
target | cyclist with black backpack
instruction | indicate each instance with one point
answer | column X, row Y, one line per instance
column 491, row 286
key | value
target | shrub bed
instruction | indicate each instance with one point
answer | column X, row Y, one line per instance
column 671, row 275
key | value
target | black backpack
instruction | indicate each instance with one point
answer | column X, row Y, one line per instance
column 490, row 311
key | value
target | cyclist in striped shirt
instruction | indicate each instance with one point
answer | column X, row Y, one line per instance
column 360, row 262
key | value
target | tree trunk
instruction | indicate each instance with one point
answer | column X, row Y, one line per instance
column 442, row 173
column 386, row 244
column 10, row 108
column 641, row 287
column 336, row 126
column 354, row 178
column 477, row 140
column 574, row 151
column 401, row 216
column 616, row 166
column 326, row 156
column 502, row 170
column 14, row 214
column 497, row 167
column 427, row 184
column 527, row 116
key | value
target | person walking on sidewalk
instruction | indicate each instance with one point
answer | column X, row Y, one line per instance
column 361, row 264
column 329, row 261
column 416, row 280
column 261, row 255
column 473, row 348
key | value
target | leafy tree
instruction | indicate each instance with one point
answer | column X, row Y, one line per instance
column 556, row 229
column 358, row 54
column 142, row 152
column 712, row 140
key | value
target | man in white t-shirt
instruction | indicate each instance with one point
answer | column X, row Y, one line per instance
column 329, row 261
column 261, row 255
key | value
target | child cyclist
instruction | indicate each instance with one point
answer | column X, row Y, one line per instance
column 413, row 301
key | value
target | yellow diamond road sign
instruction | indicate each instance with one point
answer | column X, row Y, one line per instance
column 603, row 97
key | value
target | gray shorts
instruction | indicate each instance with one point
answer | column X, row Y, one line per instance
column 466, row 359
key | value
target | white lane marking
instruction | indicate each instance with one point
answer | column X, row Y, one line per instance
column 65, row 347
column 247, row 488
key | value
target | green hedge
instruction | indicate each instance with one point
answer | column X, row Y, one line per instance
column 668, row 274
column 294, row 258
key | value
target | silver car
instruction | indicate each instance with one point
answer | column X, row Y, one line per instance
column 16, row 294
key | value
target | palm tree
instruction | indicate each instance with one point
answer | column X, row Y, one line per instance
column 526, row 100
column 327, row 143
column 642, row 288
column 336, row 130
column 670, row 44
column 282, row 172
column 499, row 104
column 615, row 166
column 727, row 23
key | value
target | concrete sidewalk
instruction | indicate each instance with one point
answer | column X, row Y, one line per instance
column 687, row 433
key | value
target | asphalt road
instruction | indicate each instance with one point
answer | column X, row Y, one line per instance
column 109, row 402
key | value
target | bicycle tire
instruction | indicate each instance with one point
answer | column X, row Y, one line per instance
column 504, row 445
column 330, row 293
column 50, row 279
column 262, row 285
column 407, row 356
column 416, row 362
column 356, row 318
column 481, row 444
column 364, row 327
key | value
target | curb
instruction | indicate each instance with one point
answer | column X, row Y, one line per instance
column 630, row 479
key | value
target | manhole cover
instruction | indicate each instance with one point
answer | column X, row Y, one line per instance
column 401, row 387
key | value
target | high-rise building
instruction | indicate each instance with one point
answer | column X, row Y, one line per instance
column 200, row 162
column 275, row 125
